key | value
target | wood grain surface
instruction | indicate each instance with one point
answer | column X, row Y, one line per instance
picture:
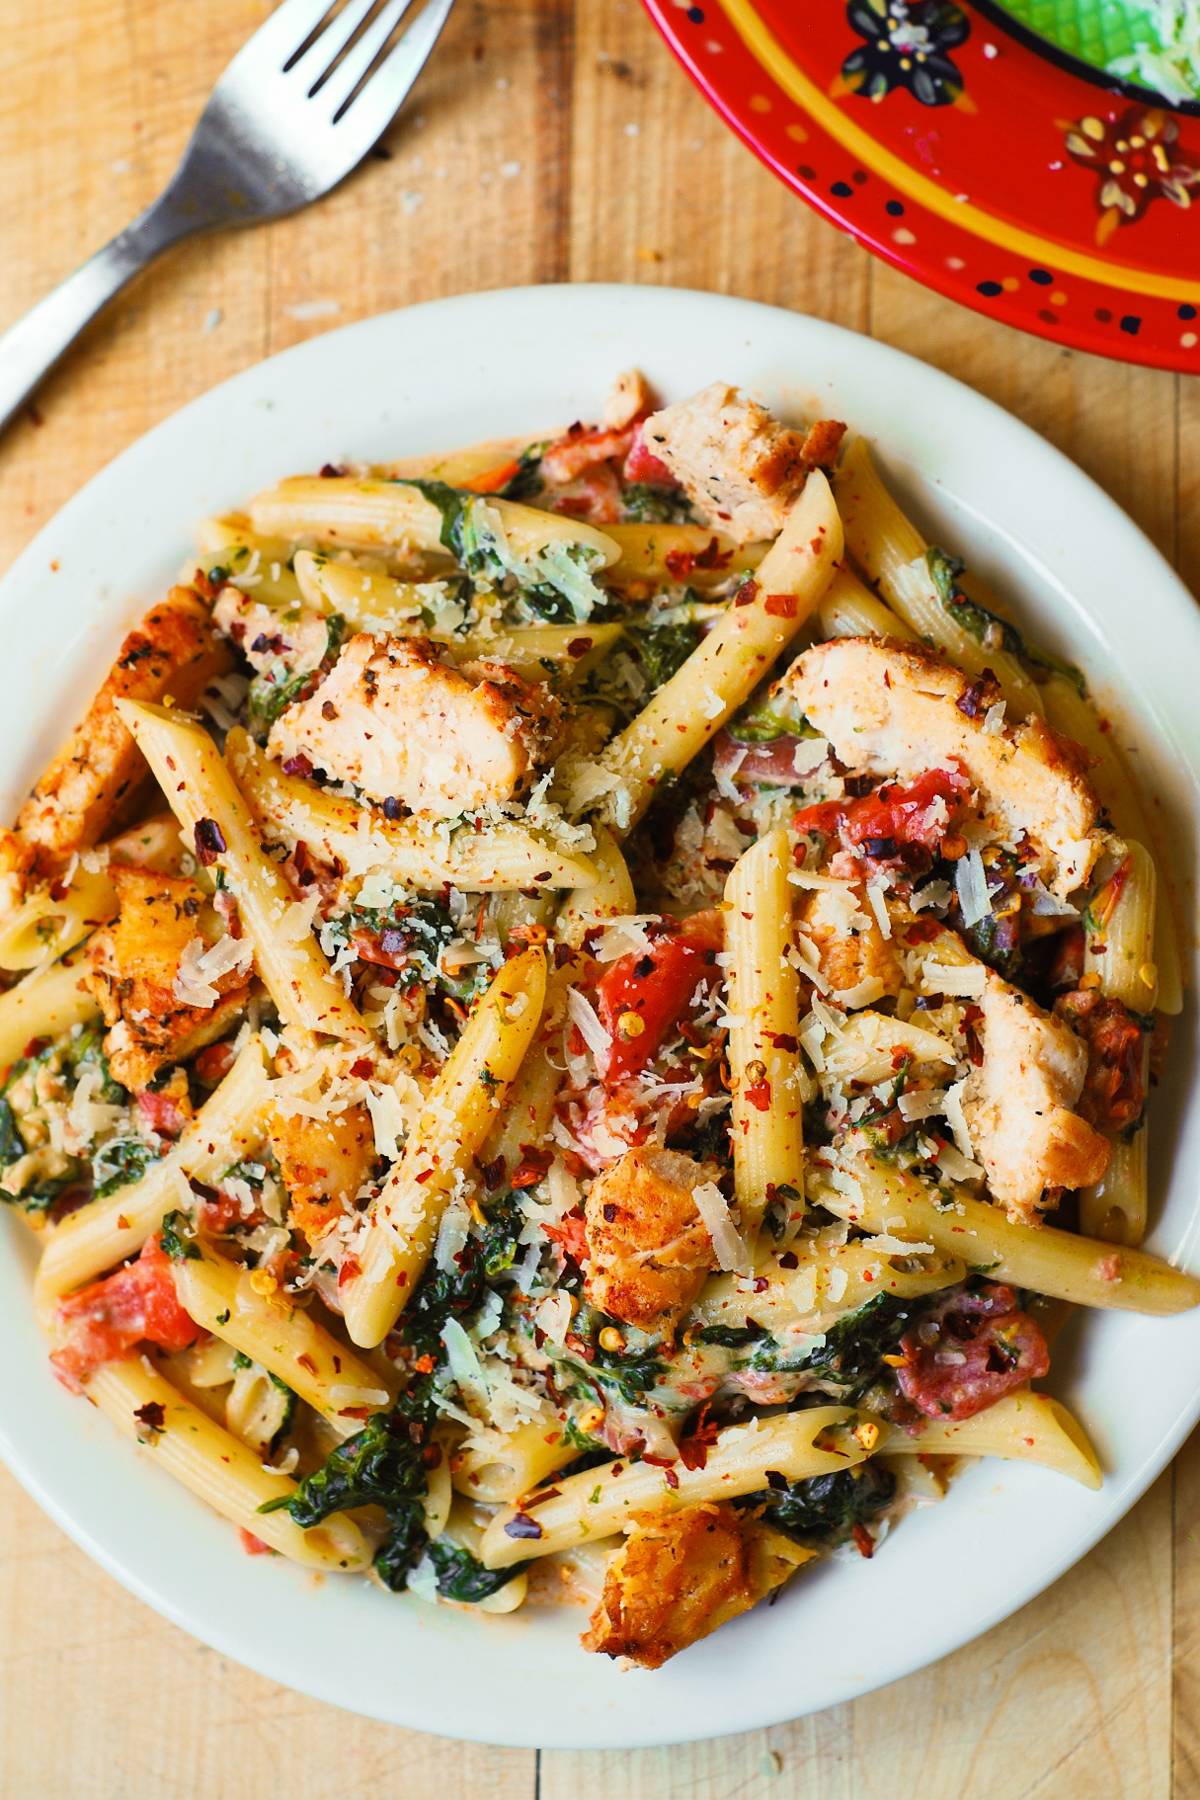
column 547, row 142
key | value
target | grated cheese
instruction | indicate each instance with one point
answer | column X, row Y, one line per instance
column 731, row 1248
column 970, row 879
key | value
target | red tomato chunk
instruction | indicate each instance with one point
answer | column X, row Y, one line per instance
column 893, row 815
column 640, row 997
column 136, row 1305
column 969, row 1352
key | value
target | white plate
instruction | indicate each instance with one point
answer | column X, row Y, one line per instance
column 495, row 365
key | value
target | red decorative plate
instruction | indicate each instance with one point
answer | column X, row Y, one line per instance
column 969, row 159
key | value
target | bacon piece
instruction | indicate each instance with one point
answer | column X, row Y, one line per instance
column 970, row 1351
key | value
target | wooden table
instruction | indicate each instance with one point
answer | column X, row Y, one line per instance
column 548, row 142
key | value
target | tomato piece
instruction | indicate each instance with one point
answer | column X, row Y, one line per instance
column 162, row 1112
column 893, row 815
column 137, row 1304
column 570, row 1235
column 491, row 481
column 1114, row 1089
column 580, row 448
column 970, row 1351
column 642, row 466
column 640, row 997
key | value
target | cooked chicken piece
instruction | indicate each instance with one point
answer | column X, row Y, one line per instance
column 736, row 463
column 266, row 637
column 892, row 710
column 401, row 725
column 1019, row 1103
column 628, row 399
column 172, row 653
column 137, row 968
column 648, row 1250
column 682, row 1574
column 323, row 1162
column 849, row 944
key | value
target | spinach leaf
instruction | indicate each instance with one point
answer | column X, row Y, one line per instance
column 12, row 1146
column 646, row 505
column 177, row 1235
column 825, row 1509
column 462, row 1577
column 527, row 481
column 851, row 1359
column 663, row 649
column 730, row 1337
column 380, row 1465
column 987, row 628
column 119, row 1162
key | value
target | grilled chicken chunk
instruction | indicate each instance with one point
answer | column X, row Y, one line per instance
column 648, row 1249
column 173, row 652
column 736, row 463
column 893, row 710
column 400, row 724
column 1019, row 1103
column 682, row 1574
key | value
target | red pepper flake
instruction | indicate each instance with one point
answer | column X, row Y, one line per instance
column 758, row 1094
column 153, row 1415
column 298, row 765
column 349, row 1271
column 864, row 1543
column 522, row 1526
column 424, row 1176
column 425, row 1365
column 306, row 1362
column 783, row 1040
column 122, row 1222
column 541, row 1497
column 780, row 606
column 531, row 1168
column 209, row 840
column 354, row 1412
column 579, row 646
column 747, row 594
column 761, row 1284
column 361, row 1068
column 789, row 1260
column 493, row 1174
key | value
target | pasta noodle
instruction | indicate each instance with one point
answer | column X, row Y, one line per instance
column 764, row 1000
column 44, row 1005
column 455, row 1118
column 721, row 672
column 1021, row 1428
column 601, row 1501
column 1040, row 1257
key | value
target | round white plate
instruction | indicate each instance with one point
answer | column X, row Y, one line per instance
column 496, row 365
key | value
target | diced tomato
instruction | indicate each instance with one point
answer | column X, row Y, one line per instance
column 162, row 1112
column 892, row 816
column 1114, row 1089
column 640, row 997
column 253, row 1546
column 570, row 1236
column 214, row 1063
column 594, row 495
column 138, row 1304
column 772, row 764
column 969, row 1352
column 580, row 448
column 492, row 480
column 642, row 466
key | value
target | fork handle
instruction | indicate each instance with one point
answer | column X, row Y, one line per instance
column 30, row 348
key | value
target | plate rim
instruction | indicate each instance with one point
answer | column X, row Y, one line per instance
column 85, row 1528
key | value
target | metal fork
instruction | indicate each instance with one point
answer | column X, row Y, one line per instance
column 297, row 109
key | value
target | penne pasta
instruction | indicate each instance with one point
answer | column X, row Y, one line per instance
column 889, row 549
column 284, row 1338
column 850, row 609
column 45, row 1004
column 1022, row 1427
column 498, row 858
column 205, row 799
column 499, row 1467
column 600, row 1501
column 1051, row 1262
column 212, row 1464
column 611, row 894
column 694, row 554
column 817, row 1285
column 1069, row 712
column 353, row 513
column 689, row 709
column 455, row 1120
column 766, row 1082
